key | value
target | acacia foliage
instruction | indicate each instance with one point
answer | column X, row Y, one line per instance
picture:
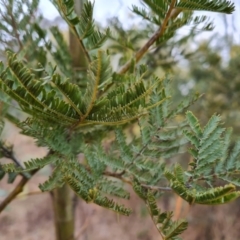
column 72, row 115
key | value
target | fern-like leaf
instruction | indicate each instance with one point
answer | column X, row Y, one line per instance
column 30, row 165
column 194, row 124
column 110, row 204
column 55, row 180
column 176, row 229
column 99, row 74
column 168, row 228
column 222, row 6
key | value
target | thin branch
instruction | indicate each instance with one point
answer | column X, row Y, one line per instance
column 118, row 176
column 156, row 188
column 171, row 14
column 14, row 26
column 8, row 153
column 30, row 194
column 19, row 188
column 114, row 174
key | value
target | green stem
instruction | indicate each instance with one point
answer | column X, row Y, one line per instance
column 63, row 206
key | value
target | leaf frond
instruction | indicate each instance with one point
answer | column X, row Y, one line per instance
column 222, row 6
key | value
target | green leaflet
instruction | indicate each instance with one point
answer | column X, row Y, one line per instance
column 207, row 142
column 55, row 180
column 194, row 124
column 110, row 204
column 32, row 95
column 158, row 6
column 211, row 196
column 226, row 144
column 113, row 188
column 158, row 11
column 233, row 157
column 183, row 105
column 224, row 6
column 97, row 39
column 145, row 14
column 122, row 105
column 62, row 102
column 211, row 126
column 218, row 195
column 99, row 73
column 78, row 188
column 98, row 160
column 191, row 138
column 82, row 26
column 145, row 129
column 125, row 150
column 60, row 52
column 211, row 151
column 168, row 228
column 71, row 92
column 79, row 172
column 90, row 185
column 57, row 137
column 176, row 229
column 11, row 176
column 31, row 165
column 222, row 200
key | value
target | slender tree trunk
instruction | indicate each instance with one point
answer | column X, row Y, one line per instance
column 64, row 198
column 63, row 206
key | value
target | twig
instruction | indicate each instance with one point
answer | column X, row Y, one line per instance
column 118, row 176
column 84, row 227
column 30, row 194
column 8, row 153
column 18, row 189
column 165, row 189
column 171, row 14
column 114, row 174
column 14, row 25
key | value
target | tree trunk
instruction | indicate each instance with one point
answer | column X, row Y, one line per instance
column 64, row 198
column 63, row 206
